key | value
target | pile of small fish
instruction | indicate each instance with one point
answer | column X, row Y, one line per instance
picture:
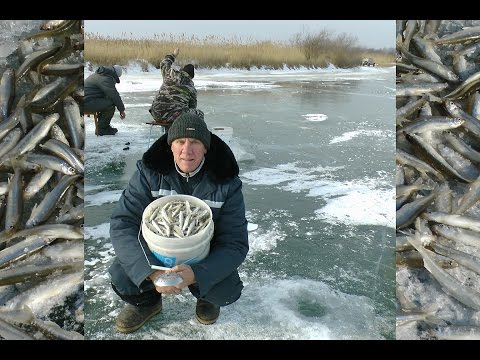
column 41, row 185
column 438, row 179
column 178, row 218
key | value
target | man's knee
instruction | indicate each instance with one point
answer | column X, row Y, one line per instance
column 108, row 110
column 122, row 284
column 147, row 298
column 224, row 293
column 98, row 105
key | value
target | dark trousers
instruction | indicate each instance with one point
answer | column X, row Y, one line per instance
column 223, row 293
column 148, row 298
column 105, row 109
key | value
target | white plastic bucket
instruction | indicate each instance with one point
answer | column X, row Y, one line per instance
column 171, row 251
column 223, row 132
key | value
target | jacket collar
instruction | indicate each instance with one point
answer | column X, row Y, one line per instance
column 190, row 174
column 220, row 163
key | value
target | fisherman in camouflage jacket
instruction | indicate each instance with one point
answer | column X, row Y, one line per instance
column 177, row 93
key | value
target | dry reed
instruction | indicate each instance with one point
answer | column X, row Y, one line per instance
column 217, row 52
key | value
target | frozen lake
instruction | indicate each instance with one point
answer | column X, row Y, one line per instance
column 316, row 156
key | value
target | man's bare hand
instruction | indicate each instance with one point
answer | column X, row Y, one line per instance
column 185, row 271
column 122, row 115
column 187, row 274
column 175, row 52
column 171, row 290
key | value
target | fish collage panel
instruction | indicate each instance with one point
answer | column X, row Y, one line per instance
column 41, row 180
column 42, row 209
column 437, row 179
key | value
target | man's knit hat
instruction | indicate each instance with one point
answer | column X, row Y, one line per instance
column 189, row 125
column 190, row 70
column 118, row 70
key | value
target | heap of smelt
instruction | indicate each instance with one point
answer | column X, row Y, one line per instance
column 438, row 179
column 178, row 218
column 41, row 185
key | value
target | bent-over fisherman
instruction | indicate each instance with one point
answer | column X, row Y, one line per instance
column 101, row 96
column 177, row 93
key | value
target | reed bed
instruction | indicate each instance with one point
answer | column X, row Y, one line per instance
column 217, row 52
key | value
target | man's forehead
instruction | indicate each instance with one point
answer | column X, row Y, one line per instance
column 187, row 138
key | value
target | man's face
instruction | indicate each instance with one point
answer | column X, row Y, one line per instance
column 188, row 153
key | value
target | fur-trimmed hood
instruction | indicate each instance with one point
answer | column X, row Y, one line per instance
column 220, row 163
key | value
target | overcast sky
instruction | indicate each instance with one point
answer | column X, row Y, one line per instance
column 370, row 33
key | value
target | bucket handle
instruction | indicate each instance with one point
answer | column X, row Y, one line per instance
column 154, row 267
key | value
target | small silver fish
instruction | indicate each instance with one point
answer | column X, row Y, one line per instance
column 169, row 278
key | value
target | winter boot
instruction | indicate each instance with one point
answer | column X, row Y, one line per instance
column 132, row 318
column 206, row 313
column 104, row 119
column 107, row 131
column 114, row 130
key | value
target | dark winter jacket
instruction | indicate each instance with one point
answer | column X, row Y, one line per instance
column 176, row 94
column 101, row 84
column 220, row 187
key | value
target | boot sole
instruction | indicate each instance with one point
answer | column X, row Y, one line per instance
column 127, row 330
column 205, row 322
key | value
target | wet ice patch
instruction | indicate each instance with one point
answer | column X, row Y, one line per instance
column 90, row 188
column 295, row 176
column 367, row 201
column 99, row 260
column 267, row 240
column 244, row 85
column 370, row 207
column 104, row 197
column 267, row 176
column 252, row 227
column 97, row 231
column 315, row 117
column 353, row 134
column 127, row 105
column 239, row 151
